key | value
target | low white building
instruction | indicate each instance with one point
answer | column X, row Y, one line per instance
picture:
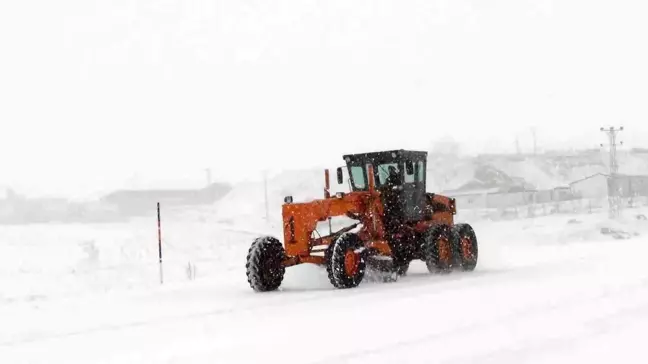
column 502, row 200
column 594, row 186
column 470, row 199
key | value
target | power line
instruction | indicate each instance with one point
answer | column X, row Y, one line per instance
column 613, row 192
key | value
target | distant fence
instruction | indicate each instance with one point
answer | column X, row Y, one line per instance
column 534, row 209
column 520, row 198
column 512, row 199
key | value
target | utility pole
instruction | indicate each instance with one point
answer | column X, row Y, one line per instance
column 614, row 199
column 209, row 176
column 265, row 189
column 535, row 145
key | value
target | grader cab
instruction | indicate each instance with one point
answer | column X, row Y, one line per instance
column 395, row 221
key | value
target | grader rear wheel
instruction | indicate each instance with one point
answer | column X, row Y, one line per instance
column 467, row 246
column 438, row 250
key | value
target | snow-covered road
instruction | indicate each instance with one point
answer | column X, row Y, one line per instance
column 540, row 294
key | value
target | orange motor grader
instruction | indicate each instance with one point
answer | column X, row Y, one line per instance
column 394, row 222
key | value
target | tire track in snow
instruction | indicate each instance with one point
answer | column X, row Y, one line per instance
column 412, row 287
column 592, row 327
column 508, row 319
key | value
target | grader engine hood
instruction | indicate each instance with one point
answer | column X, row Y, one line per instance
column 300, row 219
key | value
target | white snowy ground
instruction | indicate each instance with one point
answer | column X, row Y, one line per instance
column 545, row 291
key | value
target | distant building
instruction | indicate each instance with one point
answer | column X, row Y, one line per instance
column 135, row 202
column 630, row 185
column 601, row 185
column 470, row 199
column 510, row 199
column 544, row 196
column 562, row 193
column 594, row 186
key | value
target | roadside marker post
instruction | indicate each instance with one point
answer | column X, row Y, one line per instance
column 159, row 226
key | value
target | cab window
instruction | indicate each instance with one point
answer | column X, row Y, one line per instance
column 409, row 178
column 383, row 172
column 358, row 177
column 419, row 171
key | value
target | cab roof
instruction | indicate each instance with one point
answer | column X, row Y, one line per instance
column 386, row 156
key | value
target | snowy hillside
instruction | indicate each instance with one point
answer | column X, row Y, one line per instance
column 246, row 202
column 544, row 171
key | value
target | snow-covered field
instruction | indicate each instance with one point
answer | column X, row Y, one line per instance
column 546, row 290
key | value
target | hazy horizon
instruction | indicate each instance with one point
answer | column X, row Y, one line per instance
column 98, row 95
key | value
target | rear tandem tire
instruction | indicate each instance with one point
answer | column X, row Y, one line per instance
column 437, row 249
column 347, row 261
column 263, row 268
column 467, row 247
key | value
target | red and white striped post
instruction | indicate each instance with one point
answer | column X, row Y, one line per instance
column 159, row 242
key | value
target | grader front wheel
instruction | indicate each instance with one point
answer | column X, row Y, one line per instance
column 264, row 269
column 346, row 261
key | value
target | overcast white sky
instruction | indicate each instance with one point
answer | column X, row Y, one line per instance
column 96, row 95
